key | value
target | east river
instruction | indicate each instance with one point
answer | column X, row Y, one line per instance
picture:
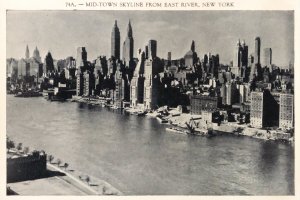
column 139, row 157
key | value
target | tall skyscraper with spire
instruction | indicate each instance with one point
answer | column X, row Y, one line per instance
column 27, row 52
column 240, row 61
column 36, row 55
column 193, row 46
column 128, row 45
column 115, row 42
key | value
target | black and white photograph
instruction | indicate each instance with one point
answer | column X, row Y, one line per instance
column 150, row 102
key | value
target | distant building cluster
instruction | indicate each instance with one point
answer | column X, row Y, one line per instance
column 250, row 90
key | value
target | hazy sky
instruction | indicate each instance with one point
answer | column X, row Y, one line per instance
column 62, row 32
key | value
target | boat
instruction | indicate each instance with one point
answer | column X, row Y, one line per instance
column 114, row 107
column 161, row 119
column 29, row 94
column 176, row 130
column 140, row 113
column 56, row 98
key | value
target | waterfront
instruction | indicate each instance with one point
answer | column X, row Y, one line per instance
column 138, row 157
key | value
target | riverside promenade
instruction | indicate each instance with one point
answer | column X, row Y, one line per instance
column 68, row 184
column 63, row 182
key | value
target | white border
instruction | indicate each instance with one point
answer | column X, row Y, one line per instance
column 60, row 5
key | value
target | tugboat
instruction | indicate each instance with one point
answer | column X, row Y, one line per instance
column 161, row 119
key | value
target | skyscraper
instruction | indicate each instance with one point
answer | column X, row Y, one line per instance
column 264, row 110
column 115, row 42
column 257, row 51
column 48, row 66
column 240, row 59
column 244, row 58
column 137, row 82
column 190, row 57
column 27, row 52
column 256, row 113
column 169, row 56
column 152, row 48
column 193, row 46
column 286, row 111
column 151, row 84
column 146, row 52
column 36, row 55
column 267, row 58
column 81, row 57
column 128, row 45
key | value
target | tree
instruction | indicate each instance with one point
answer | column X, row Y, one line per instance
column 58, row 161
column 19, row 147
column 9, row 144
column 26, row 150
column 66, row 165
column 103, row 190
column 50, row 158
column 87, row 179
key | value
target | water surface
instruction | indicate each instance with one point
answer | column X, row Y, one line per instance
column 137, row 155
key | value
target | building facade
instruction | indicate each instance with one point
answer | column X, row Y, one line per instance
column 256, row 110
column 201, row 103
column 286, row 110
column 152, row 48
column 240, row 61
column 137, row 82
column 151, row 84
column 25, row 168
column 267, row 59
column 257, row 51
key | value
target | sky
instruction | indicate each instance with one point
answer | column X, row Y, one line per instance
column 61, row 32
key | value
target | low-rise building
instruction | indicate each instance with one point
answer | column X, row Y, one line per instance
column 201, row 103
column 20, row 168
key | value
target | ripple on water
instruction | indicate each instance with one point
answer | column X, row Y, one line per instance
column 137, row 155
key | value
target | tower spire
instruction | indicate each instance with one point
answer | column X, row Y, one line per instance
column 129, row 29
column 193, row 46
column 27, row 52
column 115, row 41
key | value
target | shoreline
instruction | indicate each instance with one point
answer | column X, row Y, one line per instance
column 234, row 129
column 222, row 129
column 75, row 106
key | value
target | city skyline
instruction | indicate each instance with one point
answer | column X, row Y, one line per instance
column 104, row 66
column 171, row 29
